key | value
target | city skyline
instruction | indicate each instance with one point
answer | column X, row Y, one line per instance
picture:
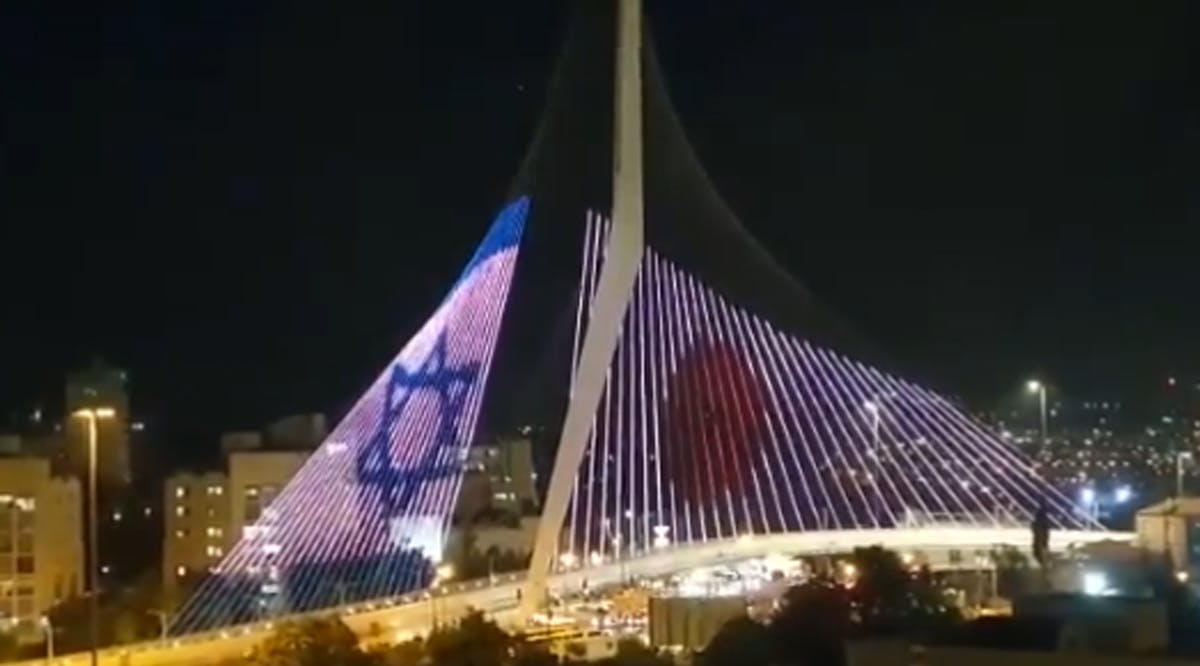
column 810, row 366
column 234, row 229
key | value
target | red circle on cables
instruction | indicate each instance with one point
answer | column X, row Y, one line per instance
column 714, row 417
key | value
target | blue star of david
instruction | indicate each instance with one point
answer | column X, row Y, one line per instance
column 376, row 467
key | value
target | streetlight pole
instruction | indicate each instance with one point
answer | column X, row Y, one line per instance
column 91, row 416
column 442, row 573
column 1180, row 458
column 163, row 624
column 615, row 538
column 1035, row 386
column 873, row 408
column 49, row 630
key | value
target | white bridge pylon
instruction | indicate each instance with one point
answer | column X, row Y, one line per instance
column 618, row 274
column 692, row 421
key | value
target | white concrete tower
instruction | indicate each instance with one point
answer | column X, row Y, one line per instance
column 623, row 257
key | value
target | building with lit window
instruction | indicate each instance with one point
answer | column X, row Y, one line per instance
column 41, row 542
column 255, row 478
column 506, row 468
column 195, row 525
column 205, row 514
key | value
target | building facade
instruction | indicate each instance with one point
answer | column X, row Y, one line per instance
column 205, row 514
column 1171, row 529
column 195, row 524
column 41, row 542
column 255, row 479
column 499, row 478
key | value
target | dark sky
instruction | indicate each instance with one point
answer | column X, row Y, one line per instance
column 252, row 205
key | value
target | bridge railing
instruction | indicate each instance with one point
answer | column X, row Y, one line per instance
column 245, row 636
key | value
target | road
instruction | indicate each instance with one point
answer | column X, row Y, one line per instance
column 401, row 618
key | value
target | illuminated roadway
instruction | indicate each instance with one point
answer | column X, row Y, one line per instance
column 399, row 618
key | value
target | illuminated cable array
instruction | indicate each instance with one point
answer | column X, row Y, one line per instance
column 714, row 424
column 367, row 515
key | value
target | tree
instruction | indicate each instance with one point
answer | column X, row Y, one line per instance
column 811, row 626
column 740, row 642
column 313, row 642
column 632, row 652
column 1014, row 576
column 408, row 653
column 533, row 654
column 881, row 589
column 929, row 610
column 475, row 641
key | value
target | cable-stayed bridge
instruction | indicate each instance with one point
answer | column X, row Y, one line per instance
column 711, row 414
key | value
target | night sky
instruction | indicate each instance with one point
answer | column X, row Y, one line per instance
column 251, row 206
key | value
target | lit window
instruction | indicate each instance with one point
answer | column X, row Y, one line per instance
column 251, row 491
column 180, row 491
column 181, row 571
column 116, row 516
column 215, row 490
column 180, row 534
column 180, row 510
column 214, row 551
column 146, row 512
column 215, row 532
column 137, row 426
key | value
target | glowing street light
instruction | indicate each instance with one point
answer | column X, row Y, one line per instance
column 661, row 536
column 1036, row 387
column 568, row 560
column 91, row 416
column 1087, row 495
column 1095, row 583
column 1123, row 494
column 1090, row 501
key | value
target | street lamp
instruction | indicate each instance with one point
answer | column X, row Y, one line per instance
column 1123, row 494
column 163, row 623
column 441, row 574
column 48, row 629
column 661, row 536
column 567, row 560
column 1037, row 387
column 1180, row 458
column 1090, row 502
column 91, row 416
column 873, row 408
